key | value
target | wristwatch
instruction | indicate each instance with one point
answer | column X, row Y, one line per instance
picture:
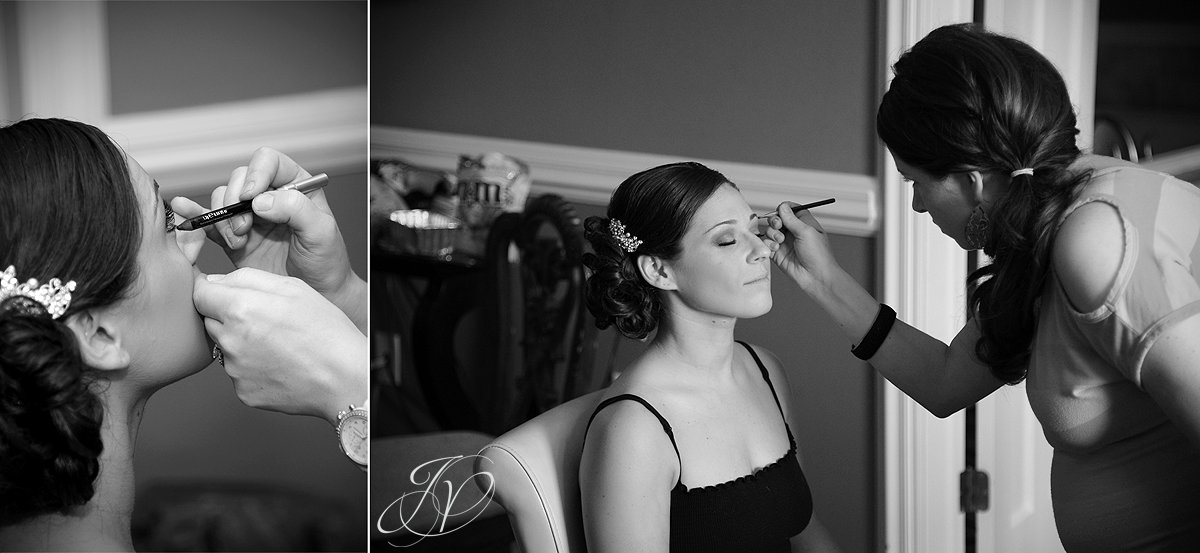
column 354, row 434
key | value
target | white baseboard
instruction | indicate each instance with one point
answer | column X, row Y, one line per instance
column 589, row 175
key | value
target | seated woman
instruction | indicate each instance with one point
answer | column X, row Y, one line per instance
column 691, row 448
column 109, row 321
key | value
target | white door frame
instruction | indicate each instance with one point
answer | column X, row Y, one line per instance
column 922, row 455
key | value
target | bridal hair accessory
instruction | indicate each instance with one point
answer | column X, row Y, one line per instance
column 628, row 242
column 54, row 296
column 1025, row 171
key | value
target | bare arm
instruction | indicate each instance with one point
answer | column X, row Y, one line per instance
column 625, row 478
column 943, row 379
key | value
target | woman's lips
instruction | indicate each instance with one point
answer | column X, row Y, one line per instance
column 764, row 278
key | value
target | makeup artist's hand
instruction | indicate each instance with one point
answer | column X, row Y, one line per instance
column 290, row 233
column 286, row 347
column 800, row 248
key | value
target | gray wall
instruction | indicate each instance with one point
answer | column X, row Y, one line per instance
column 176, row 54
column 780, row 83
column 183, row 54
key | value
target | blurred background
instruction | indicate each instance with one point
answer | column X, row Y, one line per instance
column 190, row 89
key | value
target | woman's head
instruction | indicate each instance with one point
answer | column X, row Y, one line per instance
column 73, row 206
column 964, row 99
column 698, row 250
column 968, row 113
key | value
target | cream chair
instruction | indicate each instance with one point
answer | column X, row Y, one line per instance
column 535, row 468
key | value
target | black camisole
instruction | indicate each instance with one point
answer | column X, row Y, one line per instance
column 756, row 512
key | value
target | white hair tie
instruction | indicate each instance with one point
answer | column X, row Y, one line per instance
column 1025, row 171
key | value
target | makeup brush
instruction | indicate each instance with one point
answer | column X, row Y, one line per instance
column 799, row 208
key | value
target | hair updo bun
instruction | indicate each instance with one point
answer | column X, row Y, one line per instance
column 616, row 293
column 656, row 206
column 49, row 419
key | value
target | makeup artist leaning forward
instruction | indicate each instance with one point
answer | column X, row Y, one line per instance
column 1092, row 297
column 266, row 325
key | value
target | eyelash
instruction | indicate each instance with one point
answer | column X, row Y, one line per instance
column 170, row 216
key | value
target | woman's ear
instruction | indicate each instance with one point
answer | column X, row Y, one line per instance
column 656, row 272
column 99, row 340
column 975, row 187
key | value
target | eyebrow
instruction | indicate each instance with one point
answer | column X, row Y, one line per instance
column 727, row 222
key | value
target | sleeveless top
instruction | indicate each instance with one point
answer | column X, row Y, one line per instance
column 756, row 512
column 1124, row 477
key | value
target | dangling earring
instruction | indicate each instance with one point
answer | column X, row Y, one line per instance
column 977, row 228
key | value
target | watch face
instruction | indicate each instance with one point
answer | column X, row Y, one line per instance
column 355, row 435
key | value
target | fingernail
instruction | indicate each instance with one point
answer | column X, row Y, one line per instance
column 247, row 186
column 264, row 202
column 214, row 277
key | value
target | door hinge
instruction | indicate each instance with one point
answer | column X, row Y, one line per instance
column 973, row 490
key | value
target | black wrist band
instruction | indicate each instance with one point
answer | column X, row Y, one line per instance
column 879, row 331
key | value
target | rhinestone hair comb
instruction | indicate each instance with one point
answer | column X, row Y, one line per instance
column 54, row 295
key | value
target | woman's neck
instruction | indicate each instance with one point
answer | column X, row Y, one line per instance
column 103, row 523
column 697, row 341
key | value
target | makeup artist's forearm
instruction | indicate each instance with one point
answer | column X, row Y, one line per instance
column 943, row 379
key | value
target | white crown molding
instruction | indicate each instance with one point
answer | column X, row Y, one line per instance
column 192, row 150
column 64, row 73
column 589, row 175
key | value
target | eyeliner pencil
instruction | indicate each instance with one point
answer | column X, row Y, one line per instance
column 200, row 221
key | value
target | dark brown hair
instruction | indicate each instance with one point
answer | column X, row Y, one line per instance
column 67, row 210
column 965, row 99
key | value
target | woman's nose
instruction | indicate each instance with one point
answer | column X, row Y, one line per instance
column 759, row 249
column 917, row 204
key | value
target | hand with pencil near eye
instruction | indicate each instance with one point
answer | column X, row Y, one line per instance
column 285, row 347
column 287, row 232
column 800, row 247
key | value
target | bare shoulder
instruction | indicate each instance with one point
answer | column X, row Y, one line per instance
column 626, row 437
column 1087, row 254
column 771, row 362
column 779, row 379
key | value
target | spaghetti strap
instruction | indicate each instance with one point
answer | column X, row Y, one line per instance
column 766, row 375
column 646, row 404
